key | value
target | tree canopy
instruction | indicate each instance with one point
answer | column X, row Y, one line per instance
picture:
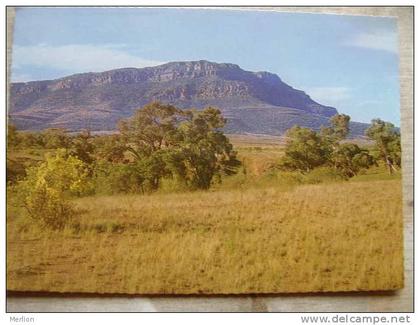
column 307, row 149
column 387, row 141
column 184, row 144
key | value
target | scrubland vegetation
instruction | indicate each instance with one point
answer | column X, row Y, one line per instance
column 171, row 205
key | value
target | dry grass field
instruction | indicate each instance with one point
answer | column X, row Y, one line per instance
column 341, row 236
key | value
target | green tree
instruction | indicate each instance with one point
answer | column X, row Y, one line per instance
column 349, row 159
column 111, row 178
column 150, row 128
column 55, row 138
column 110, row 148
column 387, row 142
column 82, row 148
column 147, row 135
column 188, row 145
column 202, row 152
column 305, row 150
column 31, row 139
column 338, row 130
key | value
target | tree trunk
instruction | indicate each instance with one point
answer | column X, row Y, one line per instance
column 391, row 168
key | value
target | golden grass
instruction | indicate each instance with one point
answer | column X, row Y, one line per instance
column 330, row 237
column 252, row 140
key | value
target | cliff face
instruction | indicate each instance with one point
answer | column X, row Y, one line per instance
column 253, row 102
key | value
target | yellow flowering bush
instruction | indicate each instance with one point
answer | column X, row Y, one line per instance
column 48, row 187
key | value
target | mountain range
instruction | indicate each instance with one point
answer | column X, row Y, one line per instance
column 252, row 102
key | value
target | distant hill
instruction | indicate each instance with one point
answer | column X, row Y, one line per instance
column 253, row 102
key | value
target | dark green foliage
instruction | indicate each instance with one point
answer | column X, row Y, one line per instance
column 305, row 150
column 109, row 148
column 147, row 136
column 31, row 140
column 55, row 138
column 202, row 152
column 349, row 159
column 112, row 178
column 338, row 130
column 82, row 148
column 150, row 169
column 187, row 145
column 150, row 129
column 387, row 141
column 140, row 176
column 19, row 139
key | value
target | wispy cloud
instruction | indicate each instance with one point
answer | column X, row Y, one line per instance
column 76, row 58
column 377, row 40
column 333, row 96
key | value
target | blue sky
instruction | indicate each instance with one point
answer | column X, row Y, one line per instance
column 349, row 62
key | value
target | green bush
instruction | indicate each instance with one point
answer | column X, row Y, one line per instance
column 114, row 178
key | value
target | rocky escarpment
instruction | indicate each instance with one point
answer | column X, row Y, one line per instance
column 256, row 102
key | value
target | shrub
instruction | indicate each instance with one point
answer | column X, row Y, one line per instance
column 47, row 187
column 48, row 207
column 305, row 150
column 113, row 178
column 15, row 171
column 349, row 159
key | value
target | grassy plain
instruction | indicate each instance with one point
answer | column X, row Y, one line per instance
column 256, row 232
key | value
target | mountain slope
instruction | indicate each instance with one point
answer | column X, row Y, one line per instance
column 253, row 102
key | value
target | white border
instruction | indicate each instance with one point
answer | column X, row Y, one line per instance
column 135, row 318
